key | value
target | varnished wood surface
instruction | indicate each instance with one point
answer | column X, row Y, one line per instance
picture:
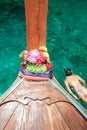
column 39, row 106
column 36, row 22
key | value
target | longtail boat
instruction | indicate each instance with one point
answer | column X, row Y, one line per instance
column 39, row 104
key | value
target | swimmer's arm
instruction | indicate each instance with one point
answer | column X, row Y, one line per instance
column 83, row 81
column 69, row 90
column 67, row 86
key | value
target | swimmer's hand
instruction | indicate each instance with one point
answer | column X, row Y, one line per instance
column 75, row 97
column 73, row 94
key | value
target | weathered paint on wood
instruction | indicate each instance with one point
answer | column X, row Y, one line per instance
column 39, row 106
column 36, row 22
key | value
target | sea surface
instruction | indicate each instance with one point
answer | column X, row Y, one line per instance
column 66, row 38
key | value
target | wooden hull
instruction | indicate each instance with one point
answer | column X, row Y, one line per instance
column 38, row 105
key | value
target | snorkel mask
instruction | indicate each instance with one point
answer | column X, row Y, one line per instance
column 68, row 72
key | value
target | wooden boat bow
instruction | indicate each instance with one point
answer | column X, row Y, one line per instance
column 39, row 106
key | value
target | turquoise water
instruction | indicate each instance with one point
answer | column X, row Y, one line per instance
column 66, row 38
column 12, row 40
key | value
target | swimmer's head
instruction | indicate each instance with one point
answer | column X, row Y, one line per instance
column 68, row 72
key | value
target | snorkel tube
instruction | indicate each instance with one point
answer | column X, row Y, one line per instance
column 64, row 68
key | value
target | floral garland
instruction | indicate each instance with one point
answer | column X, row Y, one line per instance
column 36, row 60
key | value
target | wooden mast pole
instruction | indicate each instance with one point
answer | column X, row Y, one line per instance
column 36, row 22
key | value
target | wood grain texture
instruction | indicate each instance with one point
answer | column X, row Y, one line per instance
column 36, row 22
column 39, row 106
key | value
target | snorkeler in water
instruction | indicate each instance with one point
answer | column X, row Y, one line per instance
column 77, row 83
